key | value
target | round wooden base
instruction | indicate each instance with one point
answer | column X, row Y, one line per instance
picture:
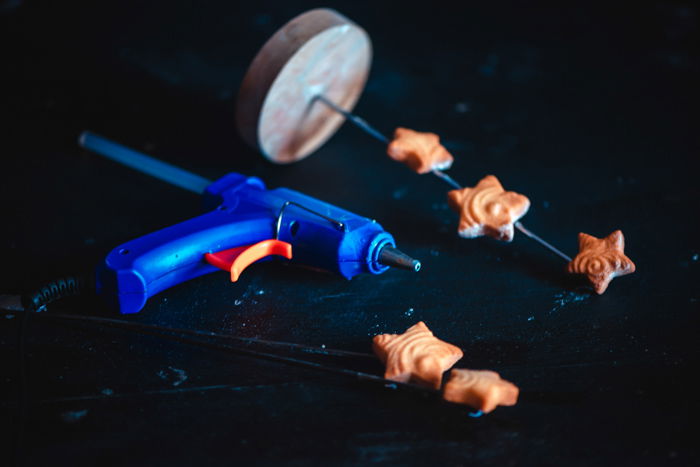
column 318, row 52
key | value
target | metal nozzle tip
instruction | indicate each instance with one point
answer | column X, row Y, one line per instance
column 390, row 256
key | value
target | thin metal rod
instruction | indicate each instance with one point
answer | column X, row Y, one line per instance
column 518, row 225
column 253, row 353
column 438, row 173
column 354, row 119
column 362, row 123
column 549, row 246
column 193, row 332
column 143, row 163
column 447, row 178
column 160, row 331
column 165, row 332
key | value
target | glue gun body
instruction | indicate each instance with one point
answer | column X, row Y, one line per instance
column 241, row 211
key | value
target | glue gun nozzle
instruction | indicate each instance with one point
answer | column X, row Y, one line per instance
column 390, row 256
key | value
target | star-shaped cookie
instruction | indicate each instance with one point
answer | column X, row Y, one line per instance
column 487, row 209
column 480, row 389
column 601, row 259
column 421, row 152
column 416, row 356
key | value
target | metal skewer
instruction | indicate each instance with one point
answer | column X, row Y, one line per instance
column 362, row 124
column 207, row 334
column 552, row 248
column 178, row 335
column 451, row 181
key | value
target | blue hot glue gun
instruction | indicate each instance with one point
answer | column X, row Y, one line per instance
column 244, row 222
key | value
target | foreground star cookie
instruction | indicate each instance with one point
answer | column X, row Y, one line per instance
column 416, row 356
column 601, row 259
column 487, row 209
column 480, row 389
column 421, row 152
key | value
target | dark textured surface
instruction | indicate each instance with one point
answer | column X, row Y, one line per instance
column 589, row 111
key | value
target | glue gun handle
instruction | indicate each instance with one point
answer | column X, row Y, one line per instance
column 139, row 269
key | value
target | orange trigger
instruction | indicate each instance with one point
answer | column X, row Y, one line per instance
column 238, row 259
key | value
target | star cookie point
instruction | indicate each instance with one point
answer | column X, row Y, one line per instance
column 415, row 356
column 601, row 259
column 481, row 389
column 420, row 151
column 488, row 209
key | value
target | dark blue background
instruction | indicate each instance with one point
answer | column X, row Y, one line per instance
column 591, row 111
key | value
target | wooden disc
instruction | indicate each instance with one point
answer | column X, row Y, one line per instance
column 318, row 52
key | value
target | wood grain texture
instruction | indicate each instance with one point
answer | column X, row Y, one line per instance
column 318, row 52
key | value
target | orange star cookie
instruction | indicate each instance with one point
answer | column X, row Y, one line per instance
column 480, row 389
column 487, row 209
column 416, row 355
column 601, row 259
column 421, row 152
